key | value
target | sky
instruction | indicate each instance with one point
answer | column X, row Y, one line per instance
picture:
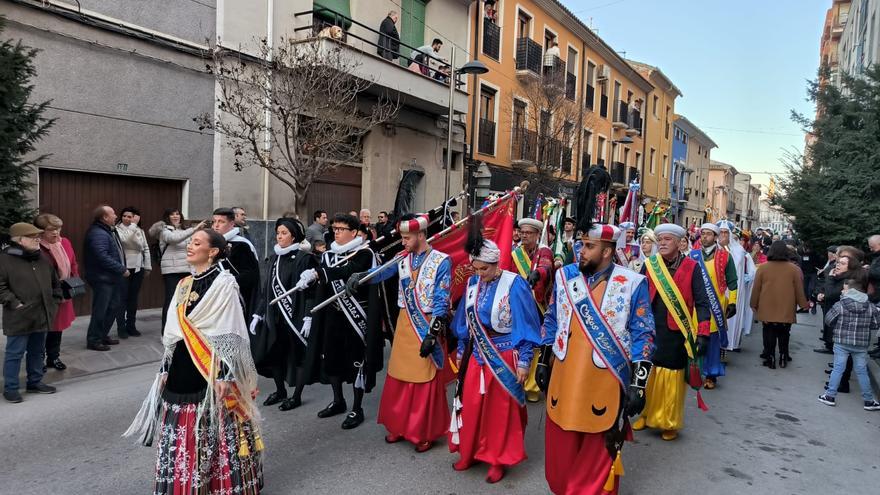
column 742, row 66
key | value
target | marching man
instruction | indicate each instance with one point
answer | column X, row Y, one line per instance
column 413, row 405
column 676, row 291
column 602, row 334
column 534, row 263
column 718, row 275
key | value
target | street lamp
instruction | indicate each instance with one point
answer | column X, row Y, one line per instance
column 473, row 67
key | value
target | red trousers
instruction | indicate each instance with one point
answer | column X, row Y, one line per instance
column 576, row 463
column 416, row 411
column 493, row 424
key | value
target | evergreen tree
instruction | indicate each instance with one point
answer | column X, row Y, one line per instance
column 21, row 125
column 833, row 189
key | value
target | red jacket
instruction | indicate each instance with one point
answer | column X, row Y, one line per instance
column 65, row 315
column 684, row 279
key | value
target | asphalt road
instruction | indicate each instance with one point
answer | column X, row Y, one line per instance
column 764, row 433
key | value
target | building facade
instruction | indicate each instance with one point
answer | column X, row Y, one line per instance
column 835, row 21
column 722, row 191
column 659, row 117
column 859, row 45
column 696, row 182
column 595, row 116
column 678, row 175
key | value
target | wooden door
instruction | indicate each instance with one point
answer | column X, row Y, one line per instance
column 73, row 196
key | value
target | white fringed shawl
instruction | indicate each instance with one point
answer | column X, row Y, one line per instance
column 218, row 315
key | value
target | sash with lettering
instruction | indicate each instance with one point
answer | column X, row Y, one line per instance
column 596, row 328
column 711, row 292
column 200, row 351
column 352, row 309
column 285, row 305
column 524, row 267
column 418, row 318
column 502, row 371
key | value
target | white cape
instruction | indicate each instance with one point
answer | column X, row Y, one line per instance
column 741, row 323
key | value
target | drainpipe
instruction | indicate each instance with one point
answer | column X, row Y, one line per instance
column 474, row 106
column 267, row 137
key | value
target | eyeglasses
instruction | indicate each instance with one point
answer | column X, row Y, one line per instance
column 341, row 229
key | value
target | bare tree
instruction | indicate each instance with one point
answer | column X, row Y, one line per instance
column 545, row 137
column 296, row 109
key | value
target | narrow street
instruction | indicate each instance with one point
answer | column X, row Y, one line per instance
column 764, row 433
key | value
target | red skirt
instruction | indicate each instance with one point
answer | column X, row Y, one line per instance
column 416, row 411
column 576, row 463
column 493, row 425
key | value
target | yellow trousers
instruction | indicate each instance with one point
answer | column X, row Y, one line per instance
column 664, row 401
column 533, row 393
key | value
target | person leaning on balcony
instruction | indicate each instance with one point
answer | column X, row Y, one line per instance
column 551, row 54
column 389, row 38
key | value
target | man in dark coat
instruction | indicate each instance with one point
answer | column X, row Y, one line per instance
column 105, row 270
column 242, row 261
column 389, row 38
column 29, row 294
column 874, row 281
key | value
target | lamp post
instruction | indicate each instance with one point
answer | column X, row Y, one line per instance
column 473, row 67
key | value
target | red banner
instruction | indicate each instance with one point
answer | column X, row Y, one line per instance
column 497, row 226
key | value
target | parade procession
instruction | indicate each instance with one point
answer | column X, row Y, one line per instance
column 609, row 351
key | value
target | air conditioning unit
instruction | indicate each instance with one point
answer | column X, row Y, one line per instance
column 604, row 73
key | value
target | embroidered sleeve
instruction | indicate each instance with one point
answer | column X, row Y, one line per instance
column 641, row 324
column 442, row 284
column 383, row 275
column 526, row 351
column 526, row 321
column 548, row 329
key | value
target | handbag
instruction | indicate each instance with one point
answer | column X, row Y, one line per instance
column 73, row 287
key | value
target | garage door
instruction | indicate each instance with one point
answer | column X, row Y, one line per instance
column 337, row 192
column 74, row 195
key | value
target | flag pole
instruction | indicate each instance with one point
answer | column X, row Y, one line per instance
column 436, row 237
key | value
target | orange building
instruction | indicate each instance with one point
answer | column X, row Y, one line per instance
column 556, row 99
column 659, row 116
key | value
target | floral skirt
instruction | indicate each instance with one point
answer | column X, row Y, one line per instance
column 205, row 456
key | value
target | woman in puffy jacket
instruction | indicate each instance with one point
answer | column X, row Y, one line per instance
column 172, row 252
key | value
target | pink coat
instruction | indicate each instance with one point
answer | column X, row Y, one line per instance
column 65, row 315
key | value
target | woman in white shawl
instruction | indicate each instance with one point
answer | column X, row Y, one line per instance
column 202, row 400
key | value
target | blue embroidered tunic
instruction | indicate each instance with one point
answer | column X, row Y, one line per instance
column 442, row 281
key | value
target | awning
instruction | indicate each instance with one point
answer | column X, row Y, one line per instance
column 330, row 11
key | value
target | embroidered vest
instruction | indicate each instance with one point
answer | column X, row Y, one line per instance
column 424, row 283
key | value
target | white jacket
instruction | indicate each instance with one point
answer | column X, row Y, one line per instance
column 172, row 247
column 134, row 244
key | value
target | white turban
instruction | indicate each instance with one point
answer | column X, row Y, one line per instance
column 670, row 228
column 710, row 226
column 489, row 253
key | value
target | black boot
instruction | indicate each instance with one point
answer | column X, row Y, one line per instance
column 353, row 419
column 770, row 362
column 783, row 360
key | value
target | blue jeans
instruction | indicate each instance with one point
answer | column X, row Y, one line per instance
column 16, row 346
column 860, row 367
column 105, row 307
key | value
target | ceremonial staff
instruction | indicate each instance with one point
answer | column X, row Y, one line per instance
column 443, row 233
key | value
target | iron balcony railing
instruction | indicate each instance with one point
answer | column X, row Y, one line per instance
column 491, row 39
column 567, row 156
column 523, row 145
column 529, row 55
column 590, row 97
column 603, row 106
column 618, row 173
column 486, row 141
column 621, row 113
column 570, row 85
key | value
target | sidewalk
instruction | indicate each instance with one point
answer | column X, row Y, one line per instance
column 132, row 351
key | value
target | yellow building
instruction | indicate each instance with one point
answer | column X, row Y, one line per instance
column 556, row 99
column 659, row 116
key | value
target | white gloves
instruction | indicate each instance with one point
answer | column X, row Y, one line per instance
column 255, row 320
column 307, row 326
column 306, row 278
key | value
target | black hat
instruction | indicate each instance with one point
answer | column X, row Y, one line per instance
column 294, row 226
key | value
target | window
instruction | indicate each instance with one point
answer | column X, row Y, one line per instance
column 491, row 32
column 486, row 140
column 590, row 95
column 523, row 24
column 519, row 114
column 601, row 151
column 665, row 164
column 567, row 131
column 617, row 117
column 603, row 100
column 571, row 74
column 656, row 102
column 700, row 150
column 626, row 156
column 668, row 125
column 652, row 164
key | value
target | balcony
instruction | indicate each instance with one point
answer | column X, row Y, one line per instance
column 590, row 97
column 386, row 77
column 566, row 160
column 618, row 173
column 486, row 138
column 529, row 58
column 550, row 155
column 492, row 39
column 621, row 116
column 603, row 106
column 553, row 66
column 523, row 147
column 570, row 86
column 635, row 123
column 633, row 174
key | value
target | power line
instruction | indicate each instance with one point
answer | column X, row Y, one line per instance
column 123, row 119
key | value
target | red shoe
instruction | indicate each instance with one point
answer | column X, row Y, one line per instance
column 495, row 474
column 462, row 465
column 424, row 446
column 392, row 438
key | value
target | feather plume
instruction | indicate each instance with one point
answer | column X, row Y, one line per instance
column 474, row 243
column 595, row 181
